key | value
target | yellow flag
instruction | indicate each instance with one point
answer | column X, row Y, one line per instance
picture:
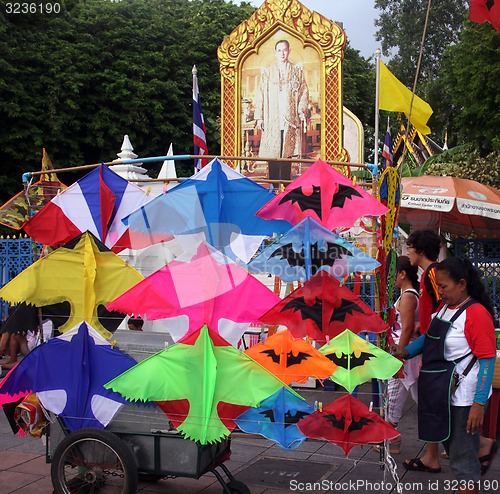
column 395, row 96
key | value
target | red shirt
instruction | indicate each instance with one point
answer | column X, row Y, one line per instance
column 429, row 297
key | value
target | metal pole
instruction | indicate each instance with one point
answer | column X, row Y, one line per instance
column 377, row 88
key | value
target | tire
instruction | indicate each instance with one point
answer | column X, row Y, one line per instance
column 93, row 460
column 237, row 487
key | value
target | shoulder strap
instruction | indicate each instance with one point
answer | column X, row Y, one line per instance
column 459, row 311
column 413, row 291
column 474, row 358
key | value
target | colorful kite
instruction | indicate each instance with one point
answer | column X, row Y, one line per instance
column 277, row 418
column 96, row 203
column 18, row 210
column 325, row 195
column 84, row 273
column 347, row 422
column 217, row 201
column 68, row 373
column 209, row 289
column 291, row 360
column 307, row 248
column 358, row 360
column 206, row 370
column 322, row 309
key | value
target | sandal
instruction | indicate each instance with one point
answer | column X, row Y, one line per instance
column 486, row 460
column 416, row 465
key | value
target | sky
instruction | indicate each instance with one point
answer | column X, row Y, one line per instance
column 357, row 17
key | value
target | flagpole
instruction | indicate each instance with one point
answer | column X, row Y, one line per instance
column 194, row 71
column 377, row 84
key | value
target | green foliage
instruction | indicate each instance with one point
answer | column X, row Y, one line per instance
column 359, row 91
column 76, row 82
column 469, row 85
column 465, row 162
column 459, row 73
column 400, row 29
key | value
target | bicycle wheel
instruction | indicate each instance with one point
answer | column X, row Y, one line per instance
column 93, row 460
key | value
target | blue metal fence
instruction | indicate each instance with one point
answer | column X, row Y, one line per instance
column 16, row 254
column 485, row 256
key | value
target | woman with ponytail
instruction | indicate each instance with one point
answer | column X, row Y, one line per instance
column 458, row 357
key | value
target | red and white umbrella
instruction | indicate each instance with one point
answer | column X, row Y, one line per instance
column 454, row 205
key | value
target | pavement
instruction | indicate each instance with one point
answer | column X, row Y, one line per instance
column 265, row 468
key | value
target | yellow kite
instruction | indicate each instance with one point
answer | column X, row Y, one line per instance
column 83, row 272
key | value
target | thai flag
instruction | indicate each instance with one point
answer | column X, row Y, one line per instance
column 199, row 129
column 387, row 149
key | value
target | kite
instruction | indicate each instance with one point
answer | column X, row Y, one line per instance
column 84, row 273
column 277, row 418
column 291, row 360
column 218, row 201
column 18, row 210
column 209, row 289
column 67, row 374
column 347, row 422
column 325, row 195
column 322, row 309
column 308, row 248
column 96, row 203
column 358, row 360
column 206, row 370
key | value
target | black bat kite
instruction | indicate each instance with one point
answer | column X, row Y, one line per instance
column 344, row 192
column 307, row 311
column 346, row 307
column 304, row 201
column 319, row 257
column 290, row 360
column 345, row 359
column 353, row 426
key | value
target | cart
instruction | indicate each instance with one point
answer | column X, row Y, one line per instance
column 138, row 443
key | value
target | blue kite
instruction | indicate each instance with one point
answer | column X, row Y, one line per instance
column 67, row 374
column 277, row 418
column 307, row 248
column 218, row 201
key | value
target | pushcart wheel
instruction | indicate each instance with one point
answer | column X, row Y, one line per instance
column 237, row 487
column 93, row 460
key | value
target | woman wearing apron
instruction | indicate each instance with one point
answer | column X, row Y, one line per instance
column 458, row 357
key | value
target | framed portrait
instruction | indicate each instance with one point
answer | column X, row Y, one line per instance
column 281, row 77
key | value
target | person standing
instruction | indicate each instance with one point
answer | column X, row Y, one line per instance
column 423, row 252
column 281, row 106
column 458, row 357
column 405, row 330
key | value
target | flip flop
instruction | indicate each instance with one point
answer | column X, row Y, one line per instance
column 416, row 465
column 486, row 460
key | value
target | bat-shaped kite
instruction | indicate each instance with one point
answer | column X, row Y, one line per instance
column 321, row 308
column 326, row 196
column 289, row 359
column 358, row 360
column 307, row 248
column 347, row 422
column 277, row 417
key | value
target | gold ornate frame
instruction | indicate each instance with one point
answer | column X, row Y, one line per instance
column 314, row 30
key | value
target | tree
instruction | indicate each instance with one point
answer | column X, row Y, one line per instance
column 359, row 92
column 75, row 82
column 400, row 30
column 469, row 88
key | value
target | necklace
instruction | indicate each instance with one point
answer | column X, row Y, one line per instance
column 462, row 303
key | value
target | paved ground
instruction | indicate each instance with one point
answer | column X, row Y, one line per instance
column 316, row 466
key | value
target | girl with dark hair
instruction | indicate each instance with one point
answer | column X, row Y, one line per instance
column 458, row 357
column 404, row 330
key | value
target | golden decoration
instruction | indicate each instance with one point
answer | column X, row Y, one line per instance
column 315, row 30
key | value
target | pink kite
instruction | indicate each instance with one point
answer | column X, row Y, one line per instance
column 325, row 195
